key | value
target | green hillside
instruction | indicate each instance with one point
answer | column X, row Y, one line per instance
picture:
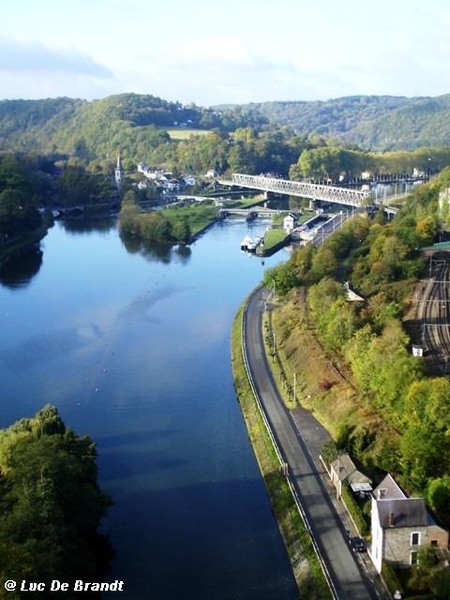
column 96, row 129
column 138, row 124
column 420, row 122
column 371, row 122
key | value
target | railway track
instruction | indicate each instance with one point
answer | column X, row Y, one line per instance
column 435, row 316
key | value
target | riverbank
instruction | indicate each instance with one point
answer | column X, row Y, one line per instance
column 21, row 244
column 305, row 566
column 274, row 240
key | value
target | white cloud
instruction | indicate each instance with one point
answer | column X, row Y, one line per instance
column 30, row 69
column 207, row 74
column 22, row 56
column 184, row 51
column 218, row 50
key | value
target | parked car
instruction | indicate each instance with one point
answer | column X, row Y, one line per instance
column 357, row 544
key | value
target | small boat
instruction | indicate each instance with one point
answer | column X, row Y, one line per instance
column 250, row 244
column 246, row 242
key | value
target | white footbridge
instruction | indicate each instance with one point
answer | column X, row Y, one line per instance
column 328, row 193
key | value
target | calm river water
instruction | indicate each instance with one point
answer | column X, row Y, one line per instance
column 133, row 348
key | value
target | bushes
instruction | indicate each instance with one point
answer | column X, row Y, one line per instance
column 356, row 512
column 390, row 578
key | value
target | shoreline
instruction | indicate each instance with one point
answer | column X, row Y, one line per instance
column 35, row 237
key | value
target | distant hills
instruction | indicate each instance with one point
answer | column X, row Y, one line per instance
column 370, row 122
column 97, row 128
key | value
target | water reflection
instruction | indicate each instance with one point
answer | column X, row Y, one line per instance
column 184, row 253
column 155, row 252
column 140, row 306
column 48, row 347
column 19, row 269
column 87, row 225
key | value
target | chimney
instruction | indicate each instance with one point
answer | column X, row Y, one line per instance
column 391, row 519
column 381, row 492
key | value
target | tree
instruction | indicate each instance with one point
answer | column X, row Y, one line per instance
column 425, row 445
column 155, row 227
column 384, row 368
column 181, row 231
column 321, row 163
column 426, row 229
column 282, row 278
column 51, row 502
column 324, row 263
column 438, row 495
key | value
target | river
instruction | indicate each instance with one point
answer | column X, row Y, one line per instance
column 133, row 347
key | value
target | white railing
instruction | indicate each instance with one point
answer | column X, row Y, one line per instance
column 328, row 193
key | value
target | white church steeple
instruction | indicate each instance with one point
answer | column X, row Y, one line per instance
column 118, row 171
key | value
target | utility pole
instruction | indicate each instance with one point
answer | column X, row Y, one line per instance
column 295, row 385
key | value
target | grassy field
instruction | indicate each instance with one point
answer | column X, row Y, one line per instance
column 183, row 133
column 305, row 566
column 199, row 216
column 272, row 237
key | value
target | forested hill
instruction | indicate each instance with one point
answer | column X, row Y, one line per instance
column 371, row 122
column 97, row 128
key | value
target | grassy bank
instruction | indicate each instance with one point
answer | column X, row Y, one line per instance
column 324, row 384
column 273, row 238
column 199, row 217
column 169, row 226
column 305, row 565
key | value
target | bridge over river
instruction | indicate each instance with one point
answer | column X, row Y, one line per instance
column 328, row 193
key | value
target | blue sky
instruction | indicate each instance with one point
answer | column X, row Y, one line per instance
column 233, row 51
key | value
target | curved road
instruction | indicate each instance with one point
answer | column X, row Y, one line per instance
column 349, row 579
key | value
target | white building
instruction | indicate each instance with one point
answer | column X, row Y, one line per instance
column 400, row 526
column 289, row 222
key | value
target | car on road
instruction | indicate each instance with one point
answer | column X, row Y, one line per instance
column 357, row 544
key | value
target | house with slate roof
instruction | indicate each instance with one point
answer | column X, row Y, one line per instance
column 400, row 526
column 343, row 469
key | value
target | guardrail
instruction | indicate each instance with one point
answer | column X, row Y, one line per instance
column 281, row 458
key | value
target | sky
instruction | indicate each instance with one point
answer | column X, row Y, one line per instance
column 232, row 51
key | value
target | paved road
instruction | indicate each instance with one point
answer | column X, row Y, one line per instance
column 346, row 571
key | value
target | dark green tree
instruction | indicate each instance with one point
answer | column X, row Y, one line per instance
column 51, row 503
column 181, row 231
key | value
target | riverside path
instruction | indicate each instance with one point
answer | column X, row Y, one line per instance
column 347, row 577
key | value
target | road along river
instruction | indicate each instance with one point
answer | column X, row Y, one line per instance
column 347, row 578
